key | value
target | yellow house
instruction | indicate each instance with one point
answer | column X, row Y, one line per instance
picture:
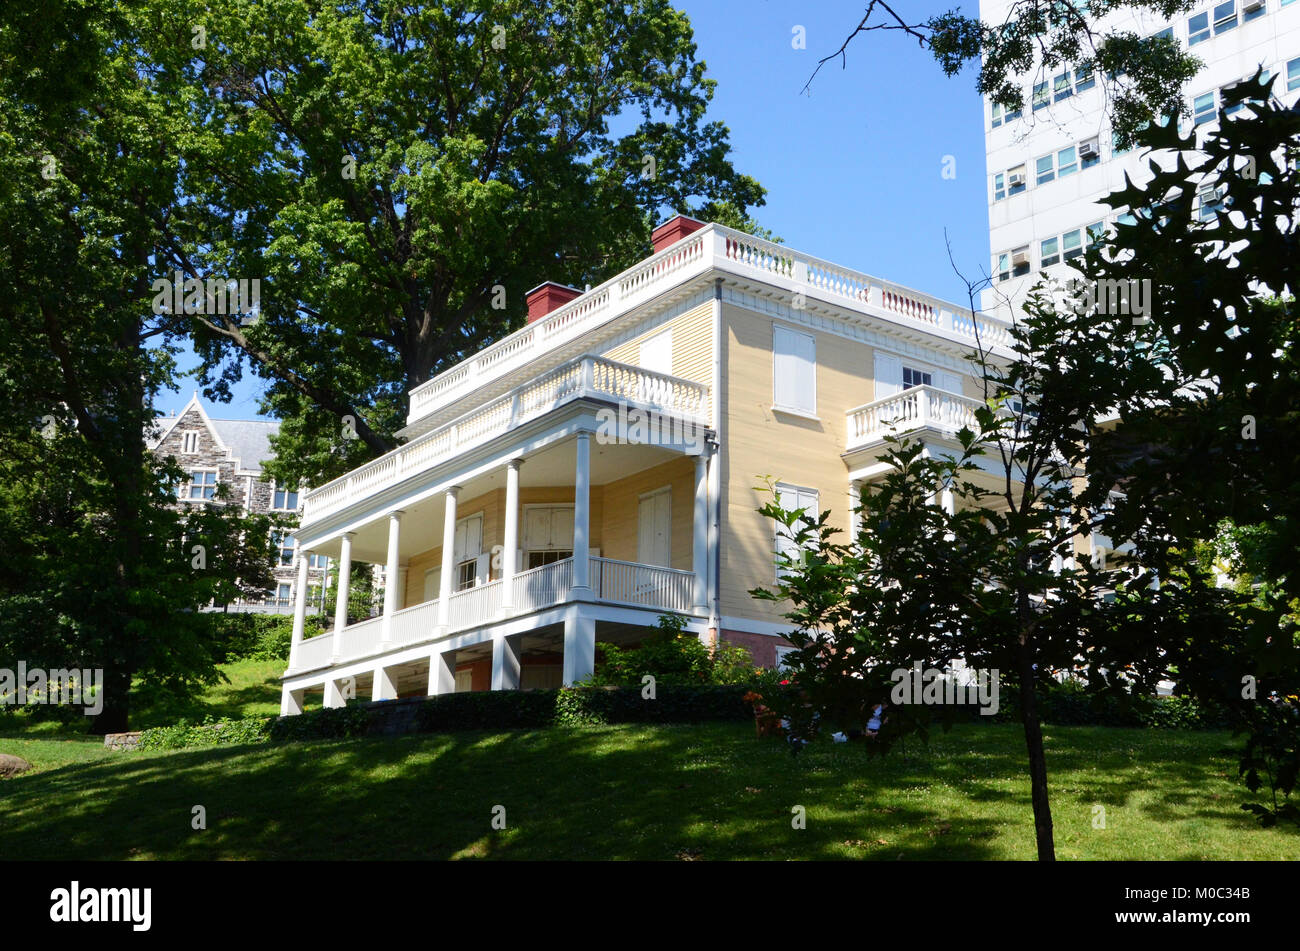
column 601, row 466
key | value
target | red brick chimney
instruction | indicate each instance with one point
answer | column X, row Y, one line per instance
column 547, row 297
column 673, row 230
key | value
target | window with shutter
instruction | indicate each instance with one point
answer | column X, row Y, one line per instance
column 793, row 498
column 794, row 371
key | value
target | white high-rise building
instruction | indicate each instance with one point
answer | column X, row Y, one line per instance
column 1050, row 165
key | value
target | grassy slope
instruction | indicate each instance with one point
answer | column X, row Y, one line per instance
column 708, row 792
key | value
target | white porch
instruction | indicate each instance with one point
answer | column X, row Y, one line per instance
column 515, row 537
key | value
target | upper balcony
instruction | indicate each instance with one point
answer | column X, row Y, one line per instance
column 587, row 377
column 712, row 248
column 917, row 408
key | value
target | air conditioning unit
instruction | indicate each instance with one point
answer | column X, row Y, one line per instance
column 1088, row 149
column 1251, row 6
column 1016, row 179
column 1209, row 194
column 1020, row 259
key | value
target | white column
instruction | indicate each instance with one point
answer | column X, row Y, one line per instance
column 510, row 543
column 392, row 577
column 505, row 662
column 946, row 501
column 579, row 646
column 581, row 589
column 383, row 687
column 448, row 555
column 442, row 673
column 345, row 587
column 700, row 543
column 299, row 608
column 290, row 702
column 333, row 695
column 715, row 541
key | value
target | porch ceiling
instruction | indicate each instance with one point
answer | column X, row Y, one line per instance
column 553, row 466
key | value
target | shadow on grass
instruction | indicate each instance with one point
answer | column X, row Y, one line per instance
column 630, row 792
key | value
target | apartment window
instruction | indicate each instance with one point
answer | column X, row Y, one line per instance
column 1126, row 218
column 999, row 186
column 1016, row 180
column 1293, row 74
column 1225, row 17
column 466, row 573
column 1229, row 110
column 792, row 499
column 1066, row 162
column 913, row 378
column 1252, row 9
column 1209, row 201
column 284, row 543
column 1050, row 252
column 1061, row 88
column 318, row 561
column 1203, row 109
column 190, row 442
column 284, row 500
column 1167, row 33
column 282, row 592
column 1072, row 245
column 202, row 485
column 1044, row 170
column 1013, row 263
column 1084, row 80
column 1198, row 29
column 1041, row 96
column 1096, row 233
column 1115, row 148
column 997, row 114
column 1089, row 152
column 794, row 371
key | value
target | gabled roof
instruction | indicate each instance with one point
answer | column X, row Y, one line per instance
column 246, row 442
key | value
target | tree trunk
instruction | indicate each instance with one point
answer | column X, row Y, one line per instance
column 1037, row 758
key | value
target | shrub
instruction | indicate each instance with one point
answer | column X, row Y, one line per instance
column 672, row 656
column 328, row 723
column 223, row 732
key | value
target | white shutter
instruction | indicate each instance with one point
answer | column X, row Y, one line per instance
column 654, row 527
column 889, row 375
column 948, row 381
column 561, row 537
column 794, row 370
column 431, row 579
column 657, row 353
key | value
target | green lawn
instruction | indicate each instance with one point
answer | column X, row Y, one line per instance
column 632, row 792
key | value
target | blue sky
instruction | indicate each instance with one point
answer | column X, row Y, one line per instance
column 853, row 169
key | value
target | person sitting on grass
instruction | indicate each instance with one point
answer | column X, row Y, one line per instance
column 877, row 720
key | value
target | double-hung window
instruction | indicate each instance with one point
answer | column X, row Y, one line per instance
column 999, row 186
column 1198, row 29
column 1225, row 17
column 1084, row 79
column 1044, row 170
column 284, row 545
column 1203, row 109
column 1042, row 97
column 1061, row 87
column 1049, row 252
column 1089, row 152
column 1067, row 162
column 1293, row 74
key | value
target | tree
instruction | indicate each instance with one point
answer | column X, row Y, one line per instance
column 92, row 572
column 1142, row 76
column 398, row 176
column 1214, row 237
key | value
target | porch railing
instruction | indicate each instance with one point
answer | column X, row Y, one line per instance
column 648, row 585
column 616, row 582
